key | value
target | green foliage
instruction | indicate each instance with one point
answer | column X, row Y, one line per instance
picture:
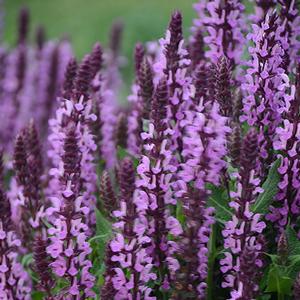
column 280, row 277
column 219, row 200
column 98, row 244
column 270, row 187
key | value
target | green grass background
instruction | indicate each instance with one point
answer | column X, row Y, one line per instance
column 88, row 21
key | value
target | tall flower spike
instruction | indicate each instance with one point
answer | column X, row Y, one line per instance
column 223, row 20
column 139, row 54
column 171, row 50
column 40, row 37
column 223, row 86
column 83, row 78
column 107, row 194
column 128, row 248
column 96, row 59
column 242, row 242
column 121, row 133
column 266, row 87
column 25, row 191
column 196, row 48
column 116, row 38
column 234, row 145
column 286, row 206
column 68, row 84
column 42, row 267
column 154, row 194
column 290, row 21
column 15, row 282
column 23, row 24
column 205, row 132
column 146, row 86
column 173, row 64
column 69, row 248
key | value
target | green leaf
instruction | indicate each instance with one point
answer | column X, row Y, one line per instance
column 293, row 241
column 219, row 200
column 278, row 283
column 37, row 296
column 270, row 187
column 103, row 235
column 179, row 213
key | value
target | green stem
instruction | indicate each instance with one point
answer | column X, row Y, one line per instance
column 211, row 262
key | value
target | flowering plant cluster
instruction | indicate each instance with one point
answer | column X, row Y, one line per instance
column 190, row 191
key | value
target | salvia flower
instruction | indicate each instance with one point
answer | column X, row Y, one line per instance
column 224, row 23
column 42, row 267
column 68, row 247
column 266, row 86
column 154, row 194
column 290, row 20
column 15, row 283
column 107, row 194
column 242, row 261
column 204, row 144
column 286, row 204
column 128, row 251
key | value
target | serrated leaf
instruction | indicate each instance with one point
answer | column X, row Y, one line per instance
column 270, row 187
column 278, row 283
column 219, row 200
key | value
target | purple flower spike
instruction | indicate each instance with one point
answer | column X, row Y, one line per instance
column 15, row 282
column 223, row 20
column 68, row 84
column 242, row 234
column 68, row 247
column 290, row 21
column 23, row 24
column 204, row 149
column 42, row 267
column 223, row 86
column 127, row 251
column 154, row 183
column 266, row 86
column 107, row 194
column 287, row 203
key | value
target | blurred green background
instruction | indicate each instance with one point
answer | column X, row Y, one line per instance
column 87, row 21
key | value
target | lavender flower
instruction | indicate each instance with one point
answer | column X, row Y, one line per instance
column 242, row 259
